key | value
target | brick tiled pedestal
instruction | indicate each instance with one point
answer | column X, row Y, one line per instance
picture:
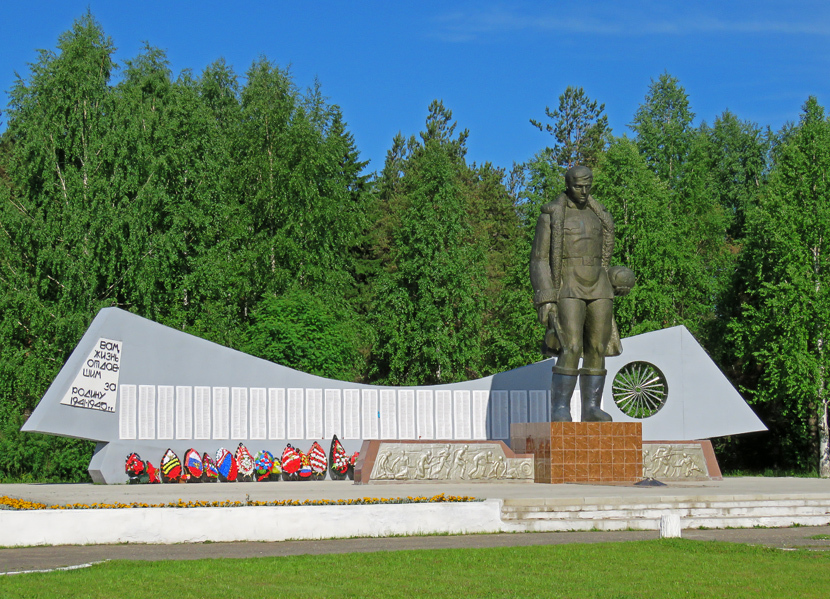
column 581, row 452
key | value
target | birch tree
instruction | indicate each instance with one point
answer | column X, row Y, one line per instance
column 784, row 325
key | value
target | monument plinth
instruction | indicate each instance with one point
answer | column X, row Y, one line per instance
column 581, row 452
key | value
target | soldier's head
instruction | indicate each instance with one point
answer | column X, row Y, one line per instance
column 579, row 179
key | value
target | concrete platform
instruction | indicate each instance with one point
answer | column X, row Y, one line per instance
column 732, row 502
column 64, row 494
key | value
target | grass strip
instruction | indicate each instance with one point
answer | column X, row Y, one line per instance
column 667, row 568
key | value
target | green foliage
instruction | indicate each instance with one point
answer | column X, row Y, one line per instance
column 428, row 301
column 647, row 239
column 542, row 179
column 509, row 338
column 783, row 328
column 53, row 214
column 187, row 201
column 737, row 161
column 663, row 128
column 309, row 333
column 28, row 457
column 579, row 127
column 699, row 260
column 238, row 210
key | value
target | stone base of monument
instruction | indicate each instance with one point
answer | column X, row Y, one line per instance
column 582, row 452
column 392, row 461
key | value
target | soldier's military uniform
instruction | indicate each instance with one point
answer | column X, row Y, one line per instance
column 571, row 253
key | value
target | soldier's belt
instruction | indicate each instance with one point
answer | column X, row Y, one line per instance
column 583, row 261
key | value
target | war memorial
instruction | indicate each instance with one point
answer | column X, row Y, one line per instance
column 605, row 433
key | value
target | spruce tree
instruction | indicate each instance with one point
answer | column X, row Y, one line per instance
column 428, row 301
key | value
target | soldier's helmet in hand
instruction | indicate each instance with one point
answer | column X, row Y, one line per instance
column 622, row 279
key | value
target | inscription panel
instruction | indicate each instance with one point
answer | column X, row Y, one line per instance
column 539, row 406
column 276, row 413
column 126, row 413
column 239, row 412
column 295, row 413
column 388, row 414
column 166, row 405
column 424, row 410
column 443, row 414
column 221, row 412
column 351, row 413
column 406, row 414
column 201, row 413
column 259, row 413
column 314, row 415
column 518, row 406
column 184, row 412
column 461, row 410
column 146, row 412
column 371, row 414
column 480, row 401
column 499, row 414
column 333, row 414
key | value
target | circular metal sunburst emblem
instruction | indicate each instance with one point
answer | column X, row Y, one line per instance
column 640, row 389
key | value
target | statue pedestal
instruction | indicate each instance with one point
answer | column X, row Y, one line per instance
column 581, row 452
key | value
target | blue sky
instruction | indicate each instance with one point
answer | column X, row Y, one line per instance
column 494, row 64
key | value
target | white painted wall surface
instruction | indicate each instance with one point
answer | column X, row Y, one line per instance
column 193, row 525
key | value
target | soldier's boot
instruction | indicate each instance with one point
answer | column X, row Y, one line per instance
column 561, row 389
column 590, row 387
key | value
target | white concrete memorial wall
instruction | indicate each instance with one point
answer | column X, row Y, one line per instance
column 134, row 385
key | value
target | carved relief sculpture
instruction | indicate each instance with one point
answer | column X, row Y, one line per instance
column 438, row 461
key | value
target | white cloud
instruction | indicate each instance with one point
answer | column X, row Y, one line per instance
column 472, row 24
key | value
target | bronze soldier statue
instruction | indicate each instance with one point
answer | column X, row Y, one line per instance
column 574, row 290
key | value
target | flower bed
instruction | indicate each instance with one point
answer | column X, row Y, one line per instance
column 22, row 504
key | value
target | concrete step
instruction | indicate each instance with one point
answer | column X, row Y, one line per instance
column 644, row 514
column 656, row 512
column 654, row 523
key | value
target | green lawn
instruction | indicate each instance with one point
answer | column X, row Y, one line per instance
column 666, row 568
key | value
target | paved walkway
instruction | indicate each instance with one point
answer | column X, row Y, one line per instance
column 63, row 494
column 47, row 558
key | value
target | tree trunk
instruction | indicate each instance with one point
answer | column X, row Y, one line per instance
column 823, row 429
column 823, row 442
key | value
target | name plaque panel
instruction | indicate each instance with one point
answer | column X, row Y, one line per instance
column 406, row 413
column 314, row 413
column 166, row 405
column 126, row 413
column 388, row 414
column 276, row 413
column 333, row 414
column 443, row 414
column 424, row 408
column 461, row 413
column 351, row 413
column 480, row 400
column 201, row 413
column 184, row 412
column 500, row 423
column 146, row 412
column 371, row 414
column 295, row 413
column 221, row 412
column 259, row 414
